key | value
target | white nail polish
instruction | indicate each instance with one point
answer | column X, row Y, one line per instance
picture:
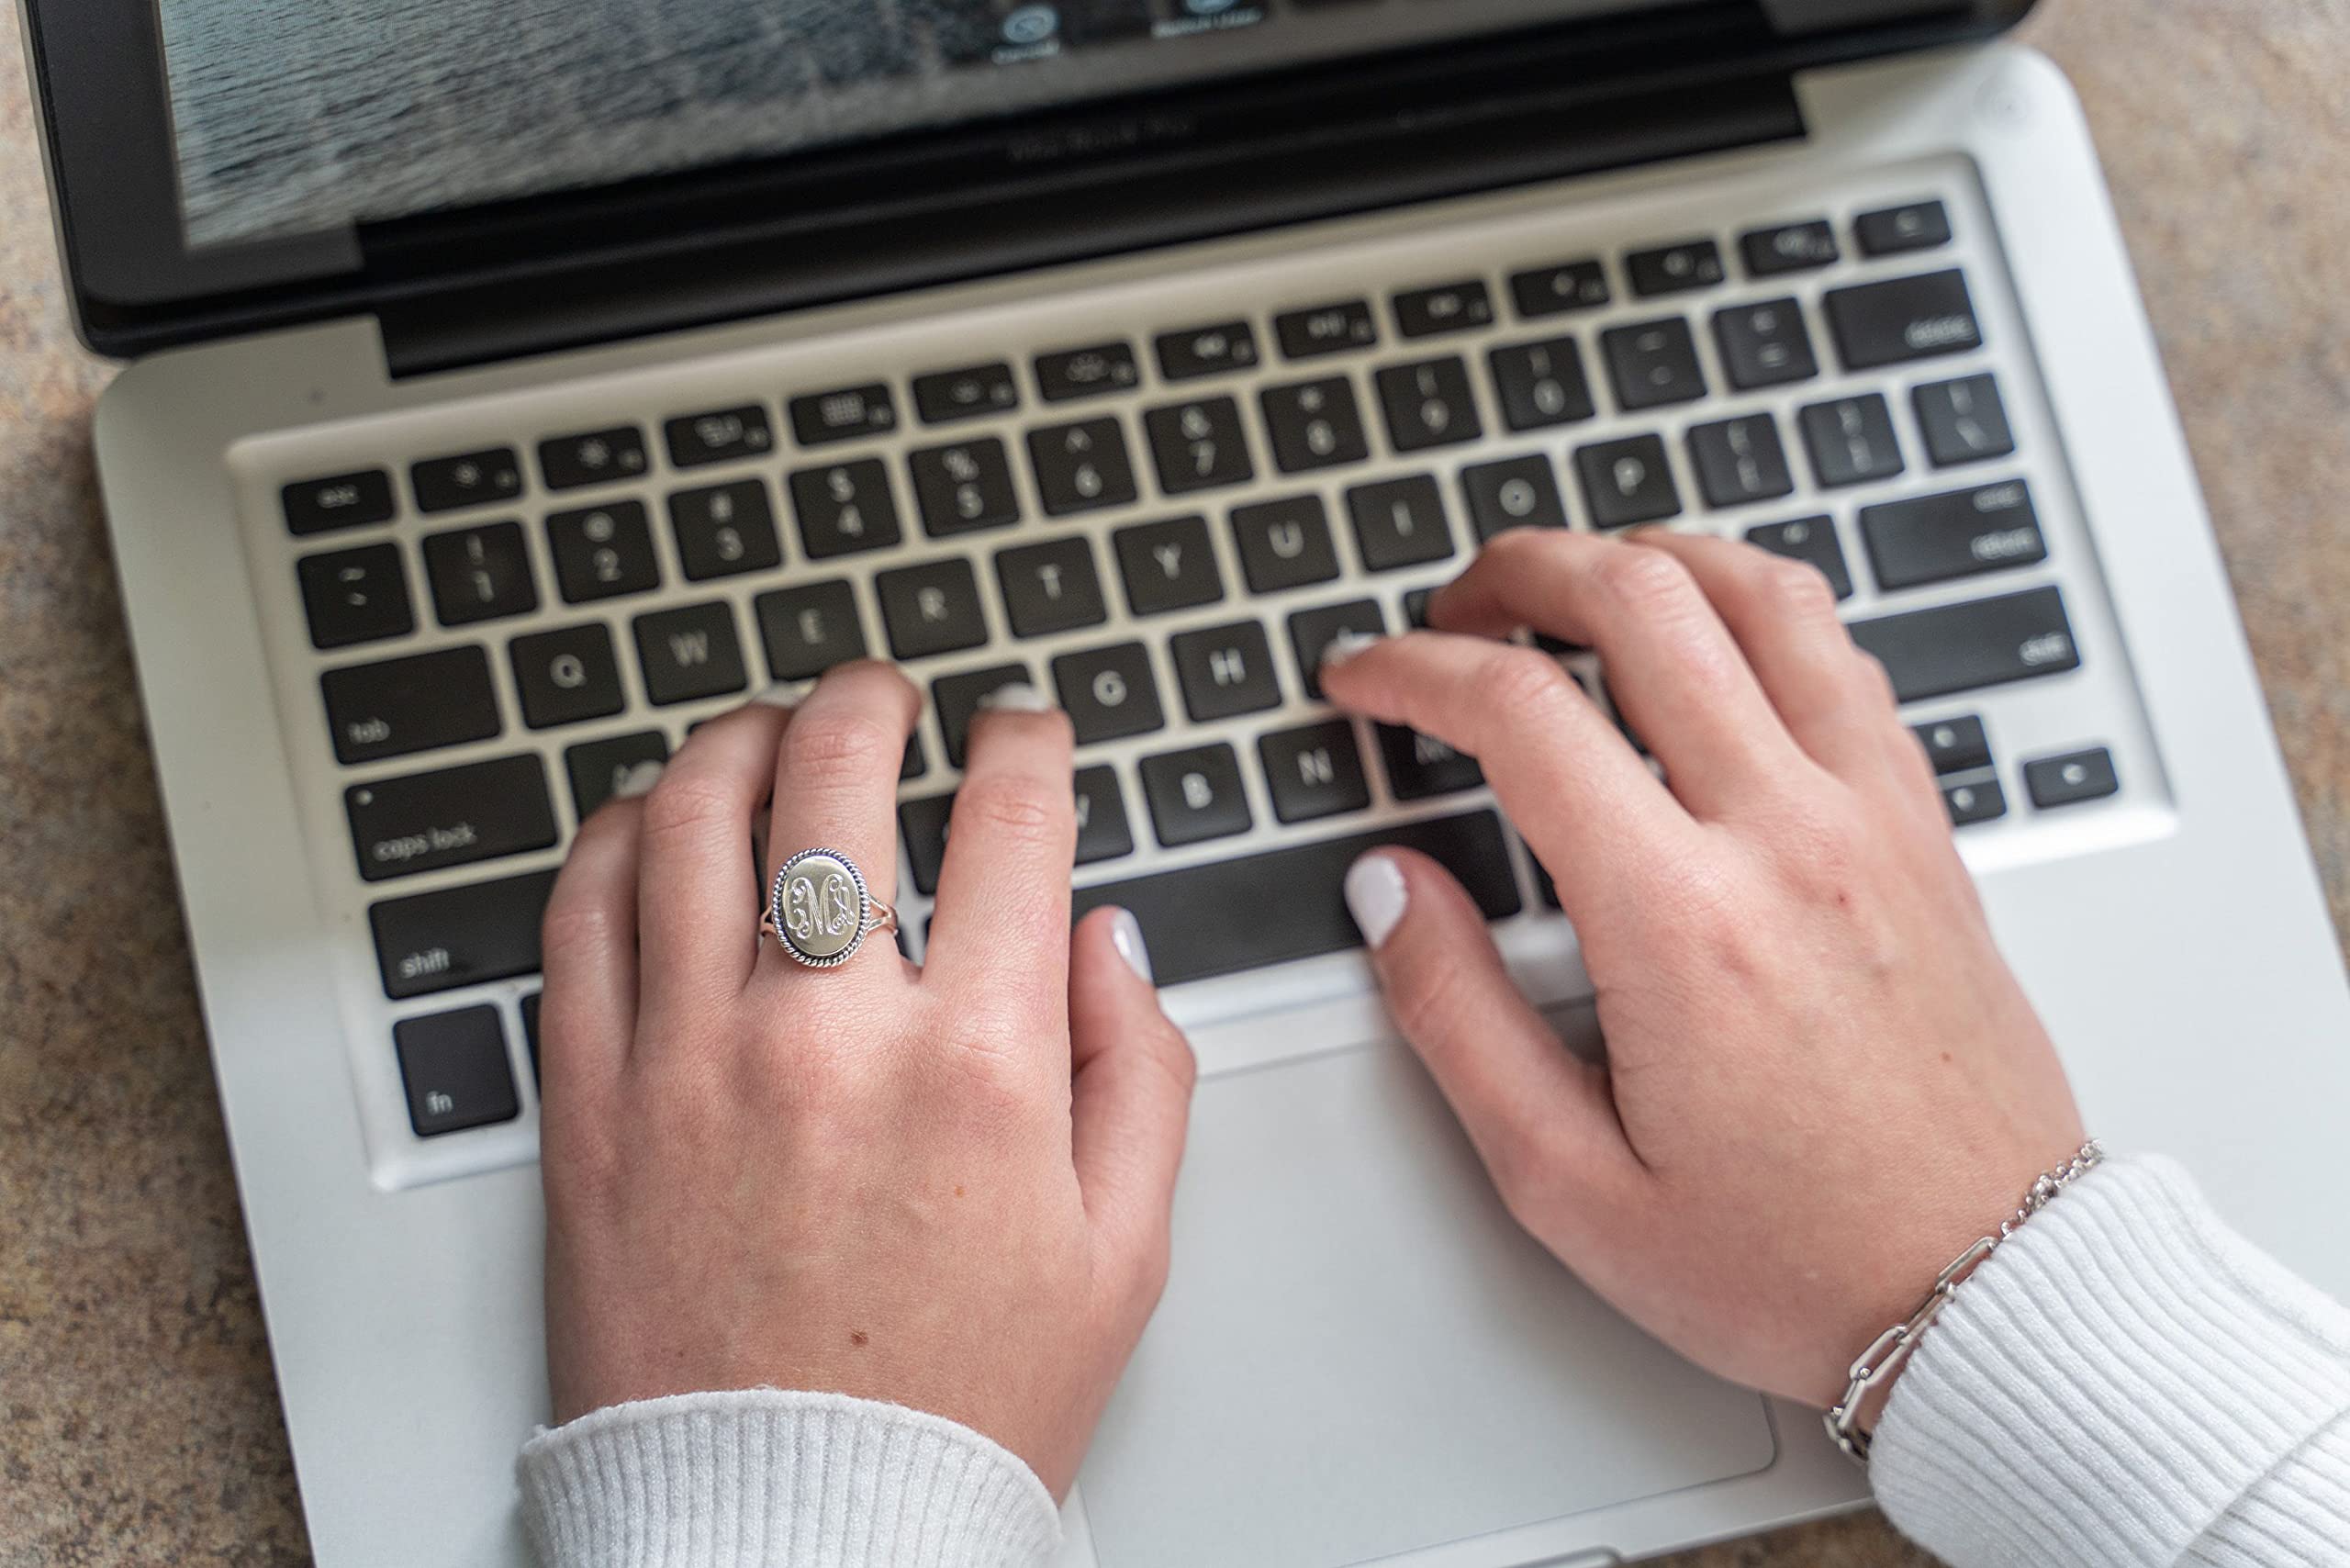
column 639, row 781
column 1125, row 934
column 1016, row 697
column 1345, row 645
column 785, row 694
column 1376, row 895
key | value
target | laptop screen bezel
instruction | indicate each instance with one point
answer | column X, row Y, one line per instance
column 98, row 78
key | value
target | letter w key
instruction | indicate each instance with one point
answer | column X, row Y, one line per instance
column 689, row 653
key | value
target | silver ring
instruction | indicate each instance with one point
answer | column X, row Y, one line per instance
column 819, row 911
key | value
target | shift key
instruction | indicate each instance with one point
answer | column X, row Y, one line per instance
column 457, row 936
column 1933, row 539
column 1986, row 641
column 423, row 821
column 400, row 706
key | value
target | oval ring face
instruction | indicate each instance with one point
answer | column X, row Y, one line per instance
column 818, row 906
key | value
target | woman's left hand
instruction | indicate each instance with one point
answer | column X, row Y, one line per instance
column 946, row 1187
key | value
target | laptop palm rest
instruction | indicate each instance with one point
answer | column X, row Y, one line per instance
column 1359, row 1354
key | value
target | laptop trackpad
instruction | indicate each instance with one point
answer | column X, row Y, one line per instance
column 1359, row 1354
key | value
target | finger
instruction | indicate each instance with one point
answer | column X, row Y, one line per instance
column 588, row 945
column 1671, row 665
column 1131, row 1074
column 835, row 774
column 697, row 893
column 1584, row 799
column 1782, row 615
column 1543, row 1119
column 1001, row 927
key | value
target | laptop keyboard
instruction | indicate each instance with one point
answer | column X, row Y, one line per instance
column 1162, row 525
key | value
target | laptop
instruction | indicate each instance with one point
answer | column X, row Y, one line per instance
column 512, row 388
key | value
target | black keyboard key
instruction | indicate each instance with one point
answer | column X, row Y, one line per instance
column 1082, row 467
column 725, row 528
column 442, row 697
column 1447, row 308
column 1852, row 441
column 850, row 413
column 1428, row 403
column 355, row 596
column 1226, row 670
column 1932, row 539
column 1811, row 540
column 1087, row 372
column 844, row 508
column 1568, row 285
column 923, row 823
column 915, row 764
column 1740, row 461
column 1051, row 587
column 1419, row 766
column 423, row 821
column 338, row 500
column 1314, row 771
column 1311, row 630
column 598, row 768
column 1296, row 907
column 1415, row 607
column 1958, row 648
column 1109, row 693
column 1975, row 800
column 1198, row 445
column 1541, row 384
column 1315, row 424
column 480, row 574
column 488, row 478
column 1765, row 344
column 689, row 653
column 1168, row 566
column 1195, row 795
column 1628, row 481
column 529, row 1010
column 931, row 608
column 1516, row 492
column 453, row 1067
column 566, row 676
column 603, row 552
column 1217, row 350
column 1963, row 420
column 1897, row 231
column 592, row 457
column 722, row 436
column 1906, row 319
column 1284, row 543
column 963, row 486
column 1325, row 328
column 1653, row 364
column 1675, row 269
column 1103, row 830
column 958, row 695
column 457, row 936
column 944, row 396
column 1399, row 522
column 1790, row 248
column 1956, row 745
column 808, row 629
column 2072, row 779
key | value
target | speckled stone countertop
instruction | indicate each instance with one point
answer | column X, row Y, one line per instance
column 137, row 1418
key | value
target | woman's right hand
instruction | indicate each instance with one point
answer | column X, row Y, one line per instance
column 1822, row 1081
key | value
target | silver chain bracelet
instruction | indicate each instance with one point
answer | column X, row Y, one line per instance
column 1893, row 1348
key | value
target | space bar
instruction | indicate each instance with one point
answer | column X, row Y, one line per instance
column 1270, row 908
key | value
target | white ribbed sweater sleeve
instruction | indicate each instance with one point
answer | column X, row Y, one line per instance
column 2126, row 1384
column 762, row 1478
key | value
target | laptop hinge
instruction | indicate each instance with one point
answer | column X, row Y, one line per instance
column 1084, row 210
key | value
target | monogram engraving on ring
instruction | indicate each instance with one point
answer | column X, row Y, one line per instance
column 820, row 907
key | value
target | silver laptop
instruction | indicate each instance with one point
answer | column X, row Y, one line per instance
column 515, row 386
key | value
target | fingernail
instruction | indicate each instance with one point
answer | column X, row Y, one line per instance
column 785, row 694
column 1345, row 645
column 1016, row 697
column 1645, row 531
column 1126, row 936
column 639, row 781
column 1375, row 896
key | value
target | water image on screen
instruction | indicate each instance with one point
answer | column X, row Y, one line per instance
column 297, row 116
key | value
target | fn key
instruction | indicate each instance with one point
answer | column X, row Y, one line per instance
column 453, row 1067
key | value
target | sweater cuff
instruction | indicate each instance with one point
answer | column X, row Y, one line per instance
column 2104, row 1388
column 763, row 1478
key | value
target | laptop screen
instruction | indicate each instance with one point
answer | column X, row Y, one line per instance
column 294, row 117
